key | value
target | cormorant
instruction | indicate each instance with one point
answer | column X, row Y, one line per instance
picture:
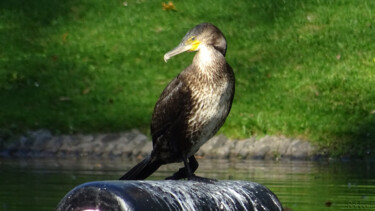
column 193, row 106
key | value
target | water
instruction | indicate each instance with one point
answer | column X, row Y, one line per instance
column 39, row 184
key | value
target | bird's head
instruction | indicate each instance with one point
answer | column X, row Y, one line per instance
column 202, row 34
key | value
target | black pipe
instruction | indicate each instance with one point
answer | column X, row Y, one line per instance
column 170, row 195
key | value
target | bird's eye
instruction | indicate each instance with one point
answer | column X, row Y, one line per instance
column 192, row 38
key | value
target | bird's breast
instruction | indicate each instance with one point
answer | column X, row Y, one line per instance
column 212, row 102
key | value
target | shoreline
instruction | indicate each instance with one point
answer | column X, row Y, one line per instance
column 134, row 144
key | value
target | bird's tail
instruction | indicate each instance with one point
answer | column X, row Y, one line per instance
column 143, row 169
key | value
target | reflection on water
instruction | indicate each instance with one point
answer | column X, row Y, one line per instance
column 39, row 184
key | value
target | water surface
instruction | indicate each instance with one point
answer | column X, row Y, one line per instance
column 39, row 184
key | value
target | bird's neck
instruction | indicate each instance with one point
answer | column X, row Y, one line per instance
column 208, row 60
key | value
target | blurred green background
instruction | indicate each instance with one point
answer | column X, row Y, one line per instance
column 303, row 69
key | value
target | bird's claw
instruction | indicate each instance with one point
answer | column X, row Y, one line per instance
column 202, row 179
column 193, row 177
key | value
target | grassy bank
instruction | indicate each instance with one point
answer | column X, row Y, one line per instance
column 303, row 68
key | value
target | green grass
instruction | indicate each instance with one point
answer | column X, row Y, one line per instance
column 303, row 68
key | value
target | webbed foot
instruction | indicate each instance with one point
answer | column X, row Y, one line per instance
column 202, row 179
column 175, row 176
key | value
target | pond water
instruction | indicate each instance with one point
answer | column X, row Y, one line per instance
column 39, row 184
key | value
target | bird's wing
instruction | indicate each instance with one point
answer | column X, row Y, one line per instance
column 171, row 108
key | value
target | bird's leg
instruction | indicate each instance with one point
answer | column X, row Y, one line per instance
column 188, row 172
column 193, row 163
column 184, row 172
column 191, row 176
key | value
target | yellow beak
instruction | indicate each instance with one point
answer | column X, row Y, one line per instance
column 191, row 46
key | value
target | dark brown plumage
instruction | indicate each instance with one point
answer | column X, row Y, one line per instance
column 193, row 106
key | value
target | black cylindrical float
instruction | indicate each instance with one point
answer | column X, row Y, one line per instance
column 170, row 195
